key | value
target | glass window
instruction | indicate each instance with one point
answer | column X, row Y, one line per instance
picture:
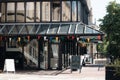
column 20, row 12
column 66, row 10
column 3, row 12
column 79, row 10
column 6, row 29
column 30, row 12
column 14, row 30
column 88, row 30
column 74, row 11
column 64, row 28
column 53, row 29
column 80, row 28
column 37, row 11
column 56, row 11
column 35, row 29
column 43, row 28
column 72, row 29
column 11, row 43
column 24, row 30
column 45, row 11
column 10, row 12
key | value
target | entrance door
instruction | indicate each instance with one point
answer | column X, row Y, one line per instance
column 44, row 56
column 54, row 51
column 49, row 56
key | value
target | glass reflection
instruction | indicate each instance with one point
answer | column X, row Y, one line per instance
column 56, row 11
column 74, row 11
column 29, row 11
column 37, row 11
column 79, row 10
column 64, row 28
column 10, row 12
column 80, row 29
column 45, row 11
column 3, row 12
column 20, row 13
column 66, row 10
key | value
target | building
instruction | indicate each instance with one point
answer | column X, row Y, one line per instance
column 42, row 34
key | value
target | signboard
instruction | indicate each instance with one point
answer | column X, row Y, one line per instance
column 9, row 65
column 75, row 62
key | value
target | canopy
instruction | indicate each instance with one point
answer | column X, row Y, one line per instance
column 47, row 29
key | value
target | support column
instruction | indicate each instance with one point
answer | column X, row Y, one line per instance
column 40, row 52
column 49, row 55
column 91, row 52
column 60, row 57
column 23, row 66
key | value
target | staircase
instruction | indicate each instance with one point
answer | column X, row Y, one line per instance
column 27, row 55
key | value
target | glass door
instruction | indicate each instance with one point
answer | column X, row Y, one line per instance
column 54, row 50
column 44, row 57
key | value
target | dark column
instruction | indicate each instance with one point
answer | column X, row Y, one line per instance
column 49, row 55
column 51, row 3
column 2, row 53
column 71, row 11
column 60, row 57
column 64, row 59
column 23, row 57
column 35, row 11
column 5, row 12
column 77, row 10
column 40, row 11
column 60, row 10
column 67, row 54
column 15, row 10
column 40, row 52
column 25, row 11
column 77, row 48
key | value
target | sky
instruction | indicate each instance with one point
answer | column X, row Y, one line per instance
column 99, row 9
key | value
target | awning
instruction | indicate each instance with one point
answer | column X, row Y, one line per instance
column 47, row 29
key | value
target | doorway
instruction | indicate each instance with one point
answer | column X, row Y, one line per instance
column 54, row 55
column 49, row 57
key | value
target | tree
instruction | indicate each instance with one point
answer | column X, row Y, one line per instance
column 110, row 24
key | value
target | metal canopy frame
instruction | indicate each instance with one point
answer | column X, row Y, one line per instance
column 74, row 28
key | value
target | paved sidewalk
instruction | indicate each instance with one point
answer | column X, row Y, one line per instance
column 87, row 73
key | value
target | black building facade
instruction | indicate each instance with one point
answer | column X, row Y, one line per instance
column 44, row 32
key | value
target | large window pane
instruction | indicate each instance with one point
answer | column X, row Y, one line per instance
column 64, row 29
column 30, row 12
column 79, row 10
column 10, row 12
column 45, row 11
column 20, row 13
column 3, row 12
column 66, row 10
column 38, row 11
column 56, row 11
column 74, row 11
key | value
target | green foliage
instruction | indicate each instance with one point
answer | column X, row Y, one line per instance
column 102, row 48
column 110, row 24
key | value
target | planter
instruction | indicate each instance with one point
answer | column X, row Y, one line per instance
column 111, row 73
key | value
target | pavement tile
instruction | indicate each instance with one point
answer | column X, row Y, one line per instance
column 87, row 73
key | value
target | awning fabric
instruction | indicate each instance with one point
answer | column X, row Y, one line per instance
column 47, row 29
